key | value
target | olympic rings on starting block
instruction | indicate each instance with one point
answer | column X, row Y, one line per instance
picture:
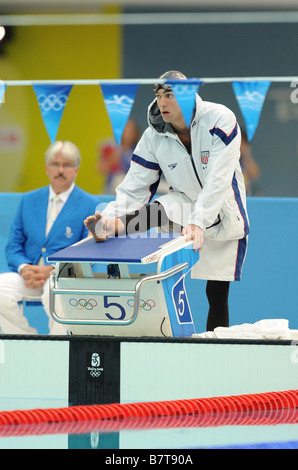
column 90, row 304
column 83, row 303
column 146, row 305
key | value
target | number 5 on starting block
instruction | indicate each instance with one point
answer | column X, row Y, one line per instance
column 175, row 291
column 180, row 301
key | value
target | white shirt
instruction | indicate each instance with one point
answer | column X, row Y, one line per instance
column 63, row 198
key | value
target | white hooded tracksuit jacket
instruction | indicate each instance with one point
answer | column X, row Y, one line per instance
column 206, row 188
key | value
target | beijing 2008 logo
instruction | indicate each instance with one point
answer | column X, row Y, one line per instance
column 95, row 361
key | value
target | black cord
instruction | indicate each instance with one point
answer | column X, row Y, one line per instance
column 161, row 327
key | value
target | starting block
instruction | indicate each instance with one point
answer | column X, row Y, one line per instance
column 125, row 286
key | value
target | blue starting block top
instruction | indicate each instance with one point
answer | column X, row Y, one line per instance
column 123, row 249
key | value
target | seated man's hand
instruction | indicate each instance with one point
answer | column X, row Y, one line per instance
column 35, row 276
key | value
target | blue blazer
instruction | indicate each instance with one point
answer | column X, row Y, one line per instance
column 27, row 241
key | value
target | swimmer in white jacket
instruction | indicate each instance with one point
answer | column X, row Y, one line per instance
column 206, row 200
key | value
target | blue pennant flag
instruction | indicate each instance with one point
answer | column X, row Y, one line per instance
column 185, row 94
column 250, row 97
column 2, row 92
column 52, row 100
column 118, row 100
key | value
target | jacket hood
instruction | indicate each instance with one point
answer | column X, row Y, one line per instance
column 156, row 121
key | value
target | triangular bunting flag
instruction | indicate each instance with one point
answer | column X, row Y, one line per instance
column 250, row 97
column 2, row 92
column 185, row 94
column 52, row 100
column 119, row 99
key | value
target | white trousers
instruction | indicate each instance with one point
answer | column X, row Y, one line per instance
column 13, row 291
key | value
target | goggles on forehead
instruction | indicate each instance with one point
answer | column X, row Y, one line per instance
column 165, row 86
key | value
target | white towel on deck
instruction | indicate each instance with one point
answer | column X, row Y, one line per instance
column 263, row 329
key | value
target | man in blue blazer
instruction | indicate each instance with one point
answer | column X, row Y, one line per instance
column 47, row 220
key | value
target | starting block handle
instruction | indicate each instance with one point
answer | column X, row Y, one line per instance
column 136, row 293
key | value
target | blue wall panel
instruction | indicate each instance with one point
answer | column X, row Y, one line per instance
column 269, row 280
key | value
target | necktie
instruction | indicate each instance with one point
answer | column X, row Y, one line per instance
column 53, row 214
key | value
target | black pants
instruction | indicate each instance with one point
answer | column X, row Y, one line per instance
column 218, row 297
column 154, row 215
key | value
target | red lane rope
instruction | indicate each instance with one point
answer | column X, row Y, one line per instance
column 253, row 409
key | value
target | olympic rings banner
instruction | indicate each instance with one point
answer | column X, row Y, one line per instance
column 52, row 100
column 53, row 96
